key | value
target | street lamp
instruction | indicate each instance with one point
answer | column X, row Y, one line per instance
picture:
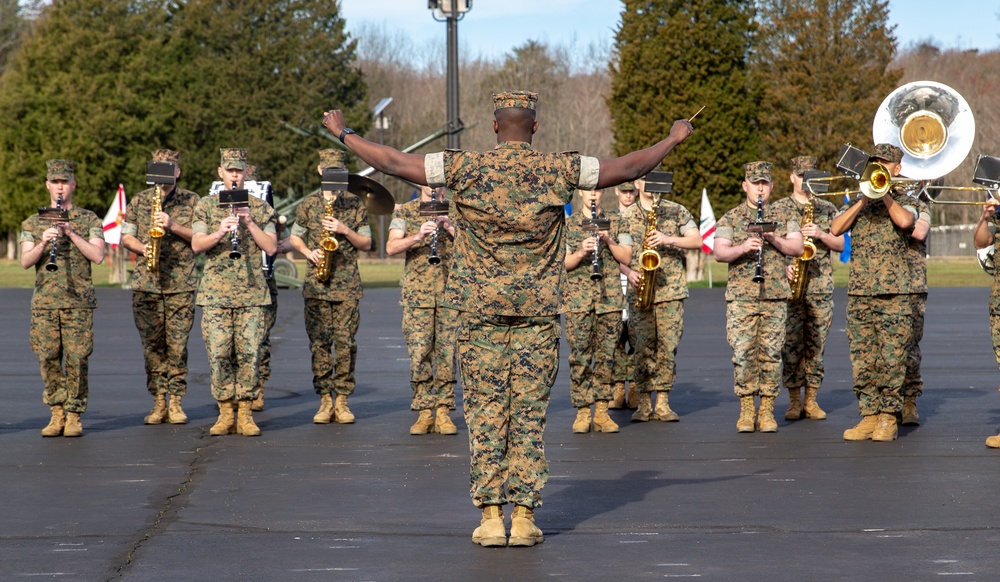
column 451, row 11
column 383, row 124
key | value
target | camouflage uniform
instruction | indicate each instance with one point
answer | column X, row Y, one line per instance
column 755, row 312
column 916, row 258
column 506, row 279
column 592, row 314
column 809, row 319
column 994, row 301
column 233, row 295
column 62, row 311
column 331, row 307
column 428, row 326
column 656, row 332
column 163, row 301
column 879, row 316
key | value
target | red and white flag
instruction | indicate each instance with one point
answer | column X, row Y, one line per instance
column 706, row 226
column 114, row 218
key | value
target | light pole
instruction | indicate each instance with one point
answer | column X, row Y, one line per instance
column 451, row 11
column 383, row 124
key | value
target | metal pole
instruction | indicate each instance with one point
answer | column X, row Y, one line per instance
column 382, row 236
column 453, row 117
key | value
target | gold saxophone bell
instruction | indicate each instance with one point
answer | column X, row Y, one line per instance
column 649, row 262
column 808, row 250
column 156, row 233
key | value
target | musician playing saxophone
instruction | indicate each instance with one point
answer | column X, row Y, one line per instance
column 755, row 311
column 809, row 317
column 592, row 307
column 331, row 306
column 62, row 306
column 163, row 297
column 656, row 332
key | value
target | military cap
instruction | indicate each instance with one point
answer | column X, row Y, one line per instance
column 803, row 163
column 233, row 158
column 888, row 152
column 519, row 99
column 250, row 173
column 758, row 172
column 165, row 155
column 331, row 158
column 60, row 170
column 626, row 186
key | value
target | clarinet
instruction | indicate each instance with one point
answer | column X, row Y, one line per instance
column 758, row 275
column 434, row 259
column 235, row 240
column 595, row 261
column 52, row 266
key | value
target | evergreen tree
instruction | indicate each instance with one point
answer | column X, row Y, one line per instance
column 823, row 67
column 670, row 58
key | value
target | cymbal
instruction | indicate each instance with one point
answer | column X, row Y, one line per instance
column 377, row 199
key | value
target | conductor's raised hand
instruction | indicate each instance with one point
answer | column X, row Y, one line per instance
column 334, row 121
column 681, row 129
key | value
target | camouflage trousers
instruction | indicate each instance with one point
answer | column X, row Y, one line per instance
column 755, row 330
column 508, row 366
column 621, row 365
column 657, row 334
column 270, row 316
column 806, row 327
column 164, row 322
column 878, row 331
column 232, row 338
column 913, row 384
column 994, row 308
column 430, row 341
column 591, row 337
column 333, row 325
column 63, row 339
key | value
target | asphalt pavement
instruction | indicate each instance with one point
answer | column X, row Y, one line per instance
column 368, row 501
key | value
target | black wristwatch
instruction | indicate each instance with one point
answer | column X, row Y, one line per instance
column 343, row 134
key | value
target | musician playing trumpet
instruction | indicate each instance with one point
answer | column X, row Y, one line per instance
column 809, row 316
column 423, row 230
column 163, row 288
column 755, row 240
column 596, row 244
column 62, row 306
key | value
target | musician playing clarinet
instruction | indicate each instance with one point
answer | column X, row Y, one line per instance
column 755, row 243
column 596, row 244
column 61, row 242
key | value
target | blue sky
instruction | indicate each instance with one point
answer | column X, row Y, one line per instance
column 493, row 27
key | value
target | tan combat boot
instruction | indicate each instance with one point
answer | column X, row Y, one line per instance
column 603, row 422
column 244, row 420
column 159, row 412
column 747, row 420
column 765, row 417
column 811, row 407
column 617, row 396
column 993, row 442
column 491, row 532
column 258, row 403
column 634, row 396
column 794, row 411
column 424, row 424
column 886, row 429
column 73, row 427
column 325, row 413
column 523, row 531
column 582, row 423
column 644, row 410
column 226, row 423
column 175, row 414
column 56, row 423
column 863, row 430
column 443, row 423
column 910, row 415
column 341, row 413
column 662, row 411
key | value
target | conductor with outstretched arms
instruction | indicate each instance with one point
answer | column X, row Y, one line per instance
column 506, row 281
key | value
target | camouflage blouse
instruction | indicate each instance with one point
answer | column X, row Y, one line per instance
column 740, row 286
column 422, row 283
column 345, row 279
column 582, row 294
column 821, row 265
column 672, row 219
column 176, row 272
column 232, row 282
column 916, row 250
column 70, row 287
column 878, row 249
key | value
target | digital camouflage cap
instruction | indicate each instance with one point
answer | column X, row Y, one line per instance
column 331, row 158
column 233, row 158
column 757, row 172
column 165, row 155
column 803, row 163
column 888, row 152
column 626, row 186
column 517, row 99
column 60, row 170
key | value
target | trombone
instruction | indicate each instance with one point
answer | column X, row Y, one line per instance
column 987, row 175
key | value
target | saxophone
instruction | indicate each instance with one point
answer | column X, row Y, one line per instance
column 329, row 244
column 800, row 271
column 156, row 233
column 649, row 262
